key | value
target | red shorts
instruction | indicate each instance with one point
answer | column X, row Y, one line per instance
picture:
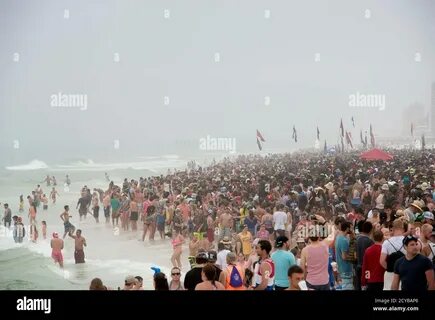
column 57, row 256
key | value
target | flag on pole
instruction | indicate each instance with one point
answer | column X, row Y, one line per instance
column 349, row 139
column 295, row 134
column 353, row 122
column 342, row 128
column 412, row 129
column 372, row 136
column 318, row 133
column 259, row 136
column 259, row 144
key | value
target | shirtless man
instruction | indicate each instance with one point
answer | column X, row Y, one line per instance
column 106, row 206
column 53, row 195
column 67, row 180
column 44, row 202
column 83, row 206
column 48, row 180
column 95, row 207
column 67, row 225
column 134, row 214
column 225, row 222
column 80, row 242
column 194, row 246
column 56, row 252
column 7, row 217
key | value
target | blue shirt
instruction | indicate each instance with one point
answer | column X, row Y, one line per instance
column 283, row 261
column 342, row 245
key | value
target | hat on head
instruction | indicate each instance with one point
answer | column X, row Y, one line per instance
column 329, row 186
column 408, row 239
column 202, row 255
column 428, row 215
column 424, row 186
column 226, row 240
column 212, row 256
column 155, row 269
column 385, row 187
column 399, row 213
column 416, row 204
column 279, row 242
column 130, row 280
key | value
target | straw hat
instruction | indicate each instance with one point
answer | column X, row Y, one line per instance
column 424, row 186
column 329, row 186
column 416, row 204
column 385, row 187
column 226, row 240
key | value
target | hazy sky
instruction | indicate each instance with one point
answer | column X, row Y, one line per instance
column 262, row 54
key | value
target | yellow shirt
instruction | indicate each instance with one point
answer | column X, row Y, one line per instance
column 246, row 243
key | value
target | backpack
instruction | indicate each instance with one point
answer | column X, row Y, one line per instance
column 392, row 258
column 352, row 251
column 236, row 280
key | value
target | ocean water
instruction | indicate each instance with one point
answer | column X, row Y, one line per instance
column 110, row 255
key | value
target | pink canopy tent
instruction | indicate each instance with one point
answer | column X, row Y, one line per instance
column 376, row 154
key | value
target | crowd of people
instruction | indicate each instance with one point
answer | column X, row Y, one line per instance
column 302, row 221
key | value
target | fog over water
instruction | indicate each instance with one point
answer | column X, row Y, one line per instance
column 131, row 87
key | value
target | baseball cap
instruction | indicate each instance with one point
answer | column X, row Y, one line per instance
column 279, row 242
column 130, row 280
column 428, row 215
column 212, row 256
column 408, row 239
column 202, row 255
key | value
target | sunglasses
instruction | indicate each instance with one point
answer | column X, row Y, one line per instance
column 176, row 273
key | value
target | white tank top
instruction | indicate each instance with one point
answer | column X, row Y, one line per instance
column 258, row 276
column 431, row 250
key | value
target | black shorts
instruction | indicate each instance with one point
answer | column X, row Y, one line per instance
column 96, row 211
column 45, row 207
column 83, row 213
column 134, row 216
column 107, row 212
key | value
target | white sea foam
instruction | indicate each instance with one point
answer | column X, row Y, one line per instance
column 152, row 165
column 32, row 165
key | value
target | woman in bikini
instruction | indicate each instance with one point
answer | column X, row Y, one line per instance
column 148, row 220
column 177, row 245
column 32, row 213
